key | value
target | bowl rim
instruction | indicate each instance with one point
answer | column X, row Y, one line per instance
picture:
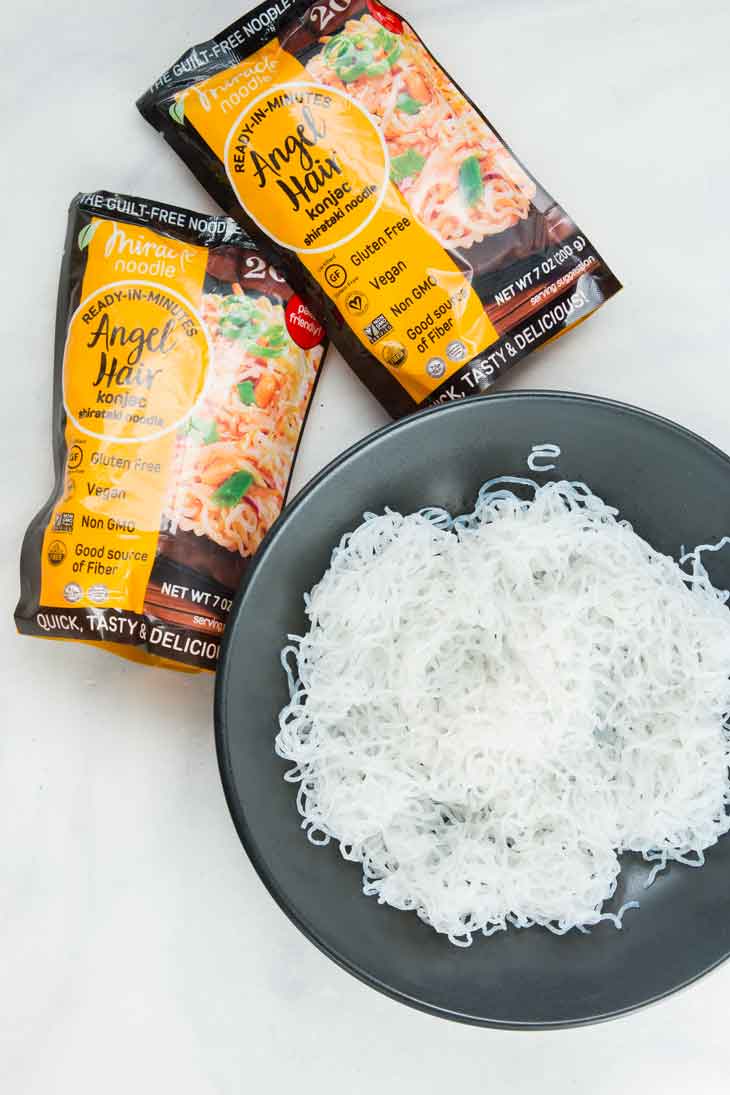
column 238, row 813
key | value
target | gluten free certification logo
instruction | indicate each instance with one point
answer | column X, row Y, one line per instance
column 75, row 457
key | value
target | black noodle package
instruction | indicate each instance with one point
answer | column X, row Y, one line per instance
column 184, row 369
column 393, row 207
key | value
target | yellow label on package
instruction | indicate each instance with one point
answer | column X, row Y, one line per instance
column 135, row 363
column 184, row 366
column 401, row 217
column 312, row 170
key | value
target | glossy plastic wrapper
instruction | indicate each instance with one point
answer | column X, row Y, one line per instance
column 184, row 368
column 407, row 224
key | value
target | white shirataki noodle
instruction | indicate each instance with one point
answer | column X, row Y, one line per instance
column 485, row 712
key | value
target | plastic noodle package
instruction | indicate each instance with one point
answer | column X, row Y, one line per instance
column 184, row 368
column 392, row 204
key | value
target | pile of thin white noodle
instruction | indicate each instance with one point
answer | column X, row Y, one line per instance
column 485, row 712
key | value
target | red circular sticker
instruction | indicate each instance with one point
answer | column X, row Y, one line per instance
column 384, row 15
column 301, row 324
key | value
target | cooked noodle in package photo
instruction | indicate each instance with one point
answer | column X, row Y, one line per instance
column 184, row 369
column 435, row 260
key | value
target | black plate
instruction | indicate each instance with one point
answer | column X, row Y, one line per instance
column 675, row 488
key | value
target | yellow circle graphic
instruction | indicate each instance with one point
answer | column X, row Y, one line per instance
column 308, row 165
column 136, row 360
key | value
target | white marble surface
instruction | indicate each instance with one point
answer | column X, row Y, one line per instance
column 138, row 950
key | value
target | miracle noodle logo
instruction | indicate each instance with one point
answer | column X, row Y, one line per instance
column 294, row 151
column 138, row 255
column 237, row 88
